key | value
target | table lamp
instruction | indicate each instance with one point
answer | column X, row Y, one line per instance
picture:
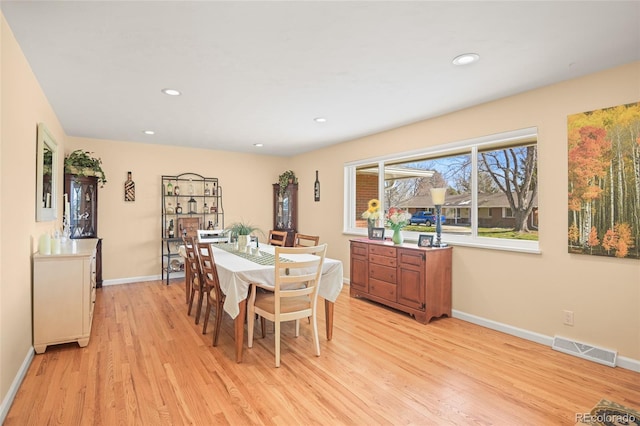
column 437, row 196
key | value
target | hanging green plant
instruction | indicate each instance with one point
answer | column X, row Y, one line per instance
column 285, row 178
column 82, row 163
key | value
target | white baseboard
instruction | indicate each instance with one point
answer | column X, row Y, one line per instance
column 622, row 362
column 15, row 385
column 139, row 279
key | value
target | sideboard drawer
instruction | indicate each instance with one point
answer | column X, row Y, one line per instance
column 383, row 260
column 383, row 273
column 382, row 289
column 382, row 250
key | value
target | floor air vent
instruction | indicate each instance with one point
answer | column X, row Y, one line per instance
column 582, row 350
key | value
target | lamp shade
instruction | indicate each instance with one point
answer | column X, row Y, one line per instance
column 437, row 195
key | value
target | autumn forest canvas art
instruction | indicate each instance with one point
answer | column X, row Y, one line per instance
column 604, row 182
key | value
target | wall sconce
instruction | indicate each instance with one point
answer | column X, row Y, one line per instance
column 437, row 196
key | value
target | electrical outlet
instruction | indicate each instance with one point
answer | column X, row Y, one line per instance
column 567, row 317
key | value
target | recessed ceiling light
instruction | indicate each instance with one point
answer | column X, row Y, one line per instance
column 466, row 59
column 148, row 132
column 258, row 145
column 171, row 92
column 320, row 120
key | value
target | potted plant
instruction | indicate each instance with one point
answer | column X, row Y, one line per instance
column 82, row 163
column 285, row 179
column 241, row 230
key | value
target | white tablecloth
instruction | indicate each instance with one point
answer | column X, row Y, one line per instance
column 236, row 273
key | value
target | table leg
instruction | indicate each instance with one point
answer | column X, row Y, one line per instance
column 238, row 322
column 328, row 314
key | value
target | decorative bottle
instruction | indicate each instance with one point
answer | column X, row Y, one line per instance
column 207, row 191
column 179, row 209
column 170, row 189
column 171, row 230
column 316, row 188
column 176, row 190
column 210, row 227
column 206, row 208
column 170, row 209
column 129, row 189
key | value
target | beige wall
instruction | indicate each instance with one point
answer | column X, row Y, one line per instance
column 131, row 231
column 527, row 291
column 23, row 106
column 521, row 290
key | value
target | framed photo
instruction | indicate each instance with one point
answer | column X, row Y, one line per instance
column 425, row 240
column 377, row 234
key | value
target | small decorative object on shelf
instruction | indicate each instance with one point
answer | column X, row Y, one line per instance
column 373, row 215
column 169, row 189
column 207, row 191
column 129, row 189
column 316, row 189
column 396, row 220
column 176, row 190
column 192, row 205
column 179, row 209
column 170, row 209
column 205, row 209
column 171, row 231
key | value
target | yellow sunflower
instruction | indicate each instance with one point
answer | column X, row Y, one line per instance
column 373, row 210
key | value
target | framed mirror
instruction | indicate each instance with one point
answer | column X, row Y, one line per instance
column 46, row 176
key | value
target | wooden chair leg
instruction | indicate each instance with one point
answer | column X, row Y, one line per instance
column 191, row 301
column 206, row 316
column 199, row 307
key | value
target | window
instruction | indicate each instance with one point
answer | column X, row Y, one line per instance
column 491, row 182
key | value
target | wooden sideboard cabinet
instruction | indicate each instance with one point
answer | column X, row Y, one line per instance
column 412, row 279
column 64, row 294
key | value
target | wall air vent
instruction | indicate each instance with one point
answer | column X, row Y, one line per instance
column 583, row 350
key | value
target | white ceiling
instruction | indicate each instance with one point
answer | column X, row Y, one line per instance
column 260, row 72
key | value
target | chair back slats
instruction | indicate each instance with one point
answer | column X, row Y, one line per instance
column 304, row 240
column 277, row 238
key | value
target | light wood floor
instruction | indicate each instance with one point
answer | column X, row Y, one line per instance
column 147, row 363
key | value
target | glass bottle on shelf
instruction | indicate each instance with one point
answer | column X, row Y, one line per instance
column 179, row 209
column 171, row 231
column 207, row 191
column 210, row 226
column 170, row 189
column 170, row 209
column 206, row 208
column 176, row 190
column 215, row 189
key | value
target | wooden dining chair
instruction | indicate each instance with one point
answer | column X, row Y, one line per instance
column 215, row 296
column 303, row 240
column 194, row 275
column 295, row 293
column 277, row 238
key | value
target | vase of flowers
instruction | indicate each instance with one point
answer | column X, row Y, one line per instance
column 372, row 214
column 397, row 219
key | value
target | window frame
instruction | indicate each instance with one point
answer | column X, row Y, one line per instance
column 471, row 146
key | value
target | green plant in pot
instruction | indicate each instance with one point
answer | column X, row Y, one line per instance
column 285, row 178
column 241, row 231
column 82, row 163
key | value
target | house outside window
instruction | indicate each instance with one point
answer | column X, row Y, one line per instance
column 487, row 179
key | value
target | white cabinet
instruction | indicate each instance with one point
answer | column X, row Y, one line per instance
column 64, row 294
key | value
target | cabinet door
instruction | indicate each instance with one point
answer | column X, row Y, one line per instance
column 411, row 278
column 285, row 210
column 359, row 268
column 83, row 203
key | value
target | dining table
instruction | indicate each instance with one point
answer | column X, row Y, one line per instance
column 239, row 267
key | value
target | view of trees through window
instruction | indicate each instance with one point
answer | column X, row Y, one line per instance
column 492, row 190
